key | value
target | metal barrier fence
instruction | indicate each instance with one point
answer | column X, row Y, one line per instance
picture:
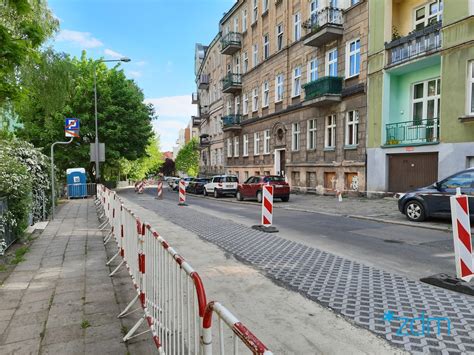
column 170, row 291
column 7, row 237
column 81, row 190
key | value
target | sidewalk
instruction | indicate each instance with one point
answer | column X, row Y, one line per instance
column 60, row 300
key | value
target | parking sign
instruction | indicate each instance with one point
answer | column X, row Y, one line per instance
column 71, row 127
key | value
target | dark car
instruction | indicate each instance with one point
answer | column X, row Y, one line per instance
column 186, row 183
column 196, row 186
column 252, row 187
column 433, row 200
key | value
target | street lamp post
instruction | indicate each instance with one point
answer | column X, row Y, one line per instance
column 97, row 171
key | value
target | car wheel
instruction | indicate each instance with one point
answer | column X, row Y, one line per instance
column 239, row 196
column 216, row 194
column 204, row 192
column 415, row 211
column 285, row 199
column 259, row 196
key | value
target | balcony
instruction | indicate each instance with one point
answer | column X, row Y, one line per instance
column 204, row 141
column 196, row 121
column 324, row 91
column 417, row 44
column 195, row 98
column 232, row 83
column 204, row 112
column 203, row 81
column 231, row 123
column 415, row 132
column 231, row 43
column 324, row 27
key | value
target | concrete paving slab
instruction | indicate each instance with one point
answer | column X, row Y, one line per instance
column 22, row 347
column 73, row 347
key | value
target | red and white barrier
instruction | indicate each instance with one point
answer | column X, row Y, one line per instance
column 141, row 187
column 267, row 205
column 182, row 193
column 159, row 190
column 462, row 237
column 240, row 333
column 169, row 290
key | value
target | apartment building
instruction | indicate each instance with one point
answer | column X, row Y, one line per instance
column 294, row 91
column 421, row 84
column 209, row 71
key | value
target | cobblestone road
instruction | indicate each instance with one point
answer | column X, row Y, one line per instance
column 361, row 293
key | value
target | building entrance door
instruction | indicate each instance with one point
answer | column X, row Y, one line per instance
column 280, row 162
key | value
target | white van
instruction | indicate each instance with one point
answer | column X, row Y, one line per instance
column 222, row 185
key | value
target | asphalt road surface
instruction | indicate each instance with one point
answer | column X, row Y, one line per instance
column 410, row 251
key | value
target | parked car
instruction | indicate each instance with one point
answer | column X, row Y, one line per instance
column 221, row 185
column 186, row 183
column 173, row 183
column 433, row 200
column 252, row 187
column 197, row 186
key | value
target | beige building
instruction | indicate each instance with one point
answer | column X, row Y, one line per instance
column 294, row 91
column 209, row 71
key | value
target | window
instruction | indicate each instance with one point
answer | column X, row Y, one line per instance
column 295, row 136
column 237, row 105
column 352, row 128
column 265, row 6
column 256, row 143
column 245, row 148
column 313, row 10
column 237, row 64
column 353, row 2
column 470, row 94
column 254, row 100
column 246, row 175
column 331, row 62
column 330, row 136
column 296, row 90
column 313, row 70
column 236, row 24
column 428, row 14
column 246, row 62
column 297, row 26
column 353, row 58
column 266, row 142
column 279, row 88
column 229, row 107
column 255, row 55
column 265, row 94
column 266, row 47
column 426, row 101
column 245, row 109
column 244, row 20
column 255, row 11
column 462, row 180
column 279, row 33
column 229, row 148
column 311, row 134
column 236, row 146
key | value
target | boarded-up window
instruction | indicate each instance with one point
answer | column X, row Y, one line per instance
column 352, row 181
column 295, row 178
column 330, row 181
column 311, row 179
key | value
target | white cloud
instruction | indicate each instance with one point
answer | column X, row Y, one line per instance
column 174, row 113
column 113, row 54
column 140, row 63
column 83, row 39
column 134, row 73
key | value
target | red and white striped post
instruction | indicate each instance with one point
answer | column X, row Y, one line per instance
column 141, row 187
column 267, row 205
column 159, row 190
column 182, row 193
column 462, row 236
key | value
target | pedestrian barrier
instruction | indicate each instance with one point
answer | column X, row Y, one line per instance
column 462, row 236
column 267, row 205
column 80, row 190
column 182, row 193
column 141, row 187
column 170, row 291
column 159, row 190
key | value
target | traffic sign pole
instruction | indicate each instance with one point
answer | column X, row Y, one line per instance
column 52, row 175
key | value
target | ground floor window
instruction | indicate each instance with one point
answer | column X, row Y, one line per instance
column 352, row 181
column 330, row 181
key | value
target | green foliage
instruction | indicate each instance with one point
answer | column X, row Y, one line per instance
column 85, row 324
column 187, row 160
column 24, row 26
column 20, row 254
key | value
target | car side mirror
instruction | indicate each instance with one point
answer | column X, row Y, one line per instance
column 437, row 185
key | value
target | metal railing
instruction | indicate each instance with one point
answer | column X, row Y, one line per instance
column 81, row 190
column 231, row 120
column 203, row 81
column 417, row 43
column 412, row 132
column 326, row 85
column 7, row 237
column 328, row 15
column 195, row 97
column 231, row 39
column 230, row 80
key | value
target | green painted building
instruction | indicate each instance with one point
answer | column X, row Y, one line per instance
column 420, row 92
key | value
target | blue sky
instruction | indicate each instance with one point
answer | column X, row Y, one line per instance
column 159, row 36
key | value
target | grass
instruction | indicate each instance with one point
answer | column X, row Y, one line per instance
column 85, row 324
column 124, row 330
column 3, row 268
column 19, row 254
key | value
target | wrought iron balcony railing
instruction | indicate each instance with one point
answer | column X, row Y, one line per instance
column 203, row 81
column 417, row 131
column 232, row 83
column 328, row 85
column 328, row 15
column 418, row 43
column 231, row 43
column 231, row 121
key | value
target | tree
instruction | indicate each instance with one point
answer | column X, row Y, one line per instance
column 24, row 27
column 124, row 121
column 187, row 160
column 168, row 168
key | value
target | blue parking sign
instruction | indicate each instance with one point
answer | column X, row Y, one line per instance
column 71, row 127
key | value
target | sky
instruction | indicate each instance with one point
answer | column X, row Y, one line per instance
column 158, row 36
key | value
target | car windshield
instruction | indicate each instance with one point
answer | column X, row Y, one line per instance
column 230, row 179
column 274, row 179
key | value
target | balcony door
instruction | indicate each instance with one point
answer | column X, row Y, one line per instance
column 313, row 10
column 428, row 14
column 425, row 109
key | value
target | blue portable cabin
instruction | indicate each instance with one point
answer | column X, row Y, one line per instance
column 76, row 183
